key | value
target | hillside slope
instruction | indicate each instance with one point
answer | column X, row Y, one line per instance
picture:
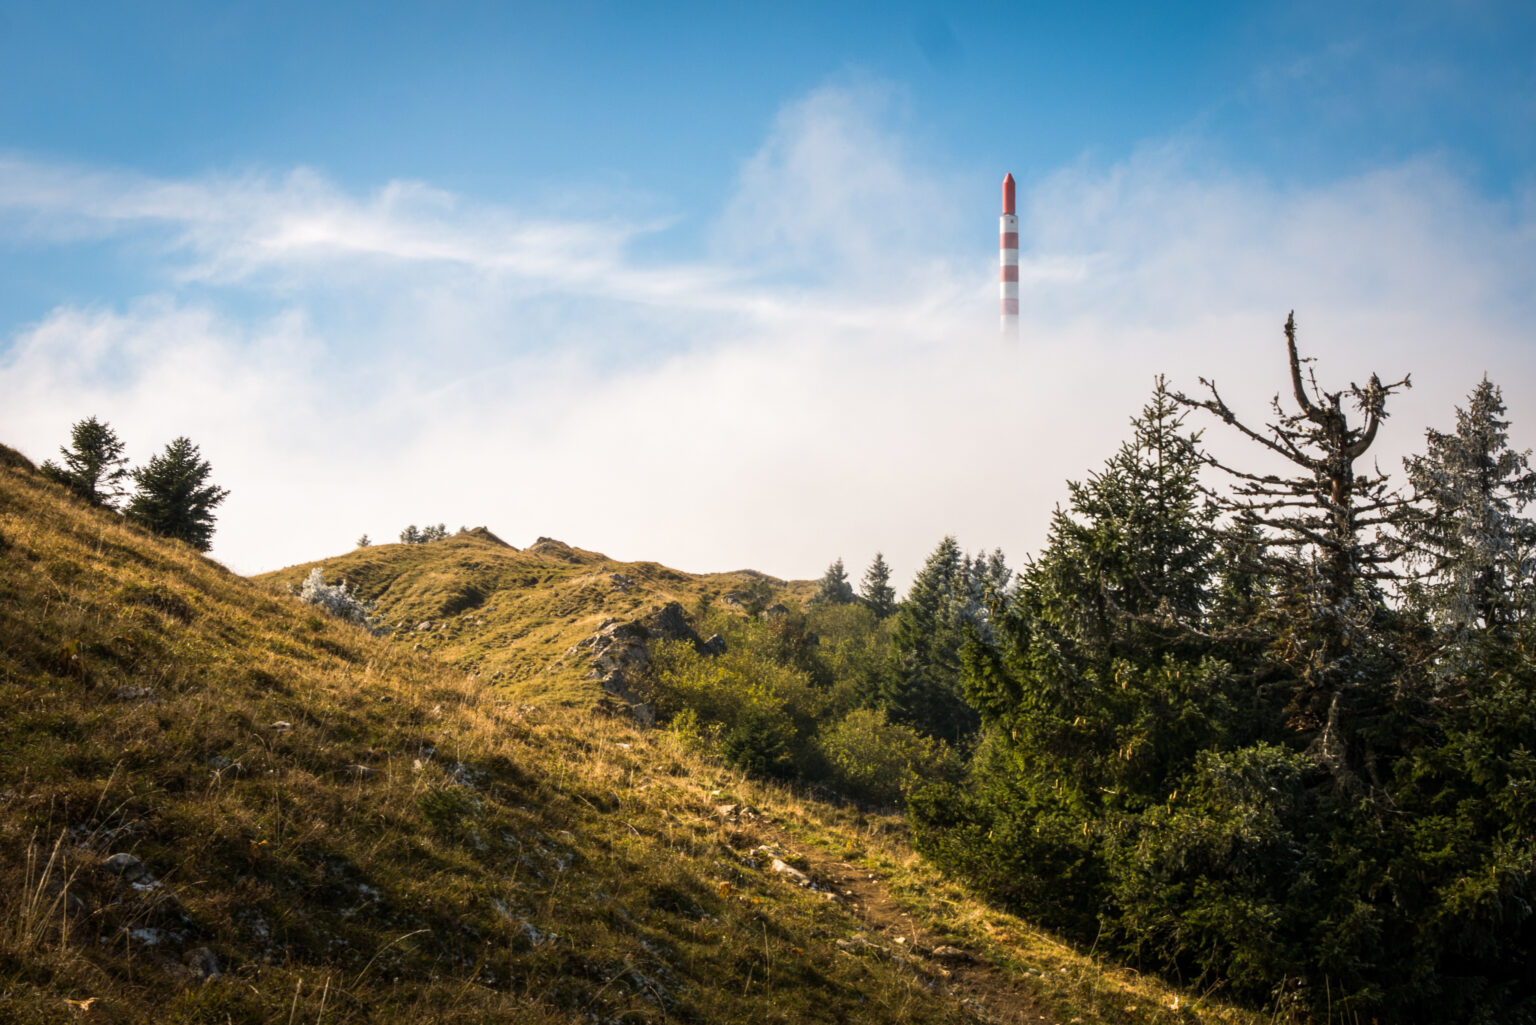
column 510, row 616
column 222, row 806
column 232, row 808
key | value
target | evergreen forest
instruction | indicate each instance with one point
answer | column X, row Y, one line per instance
column 1265, row 727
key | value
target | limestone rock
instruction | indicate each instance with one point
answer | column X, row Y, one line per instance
column 791, row 873
column 951, row 955
column 203, row 964
column 125, row 865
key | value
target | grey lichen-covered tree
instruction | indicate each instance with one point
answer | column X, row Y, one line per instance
column 173, row 496
column 338, row 599
column 1468, row 542
column 94, row 466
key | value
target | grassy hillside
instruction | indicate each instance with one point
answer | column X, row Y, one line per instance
column 222, row 806
column 509, row 616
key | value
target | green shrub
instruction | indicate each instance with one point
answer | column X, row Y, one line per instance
column 876, row 760
column 760, row 743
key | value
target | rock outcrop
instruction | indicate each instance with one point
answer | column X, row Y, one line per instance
column 619, row 652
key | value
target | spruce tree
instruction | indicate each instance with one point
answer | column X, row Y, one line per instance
column 94, row 465
column 1096, row 694
column 173, row 496
column 1124, row 584
column 876, row 591
column 986, row 584
column 924, row 690
column 1127, row 567
column 1467, row 539
column 833, row 588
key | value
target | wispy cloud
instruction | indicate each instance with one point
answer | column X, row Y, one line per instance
column 825, row 379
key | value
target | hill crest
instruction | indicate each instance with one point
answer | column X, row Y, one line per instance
column 515, row 618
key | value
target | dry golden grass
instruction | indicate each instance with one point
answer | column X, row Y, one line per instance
column 508, row 616
column 333, row 827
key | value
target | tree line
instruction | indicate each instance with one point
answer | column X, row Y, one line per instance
column 1264, row 725
column 1270, row 727
column 171, row 494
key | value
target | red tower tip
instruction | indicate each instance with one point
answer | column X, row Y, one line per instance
column 1008, row 194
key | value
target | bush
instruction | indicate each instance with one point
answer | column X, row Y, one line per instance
column 764, row 712
column 876, row 760
column 760, row 743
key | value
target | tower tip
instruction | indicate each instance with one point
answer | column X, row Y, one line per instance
column 1008, row 193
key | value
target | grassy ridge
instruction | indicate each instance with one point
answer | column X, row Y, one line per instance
column 508, row 616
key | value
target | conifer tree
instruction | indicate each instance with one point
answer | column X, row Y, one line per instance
column 1124, row 583
column 1128, row 566
column 876, row 591
column 924, row 690
column 94, row 465
column 834, row 588
column 1095, row 695
column 1467, row 538
column 173, row 496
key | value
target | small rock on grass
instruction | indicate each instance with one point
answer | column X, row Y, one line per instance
column 125, row 865
column 952, row 955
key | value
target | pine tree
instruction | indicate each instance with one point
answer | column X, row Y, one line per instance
column 834, row 588
column 173, row 496
column 924, row 691
column 1471, row 545
column 876, row 591
column 1124, row 583
column 1095, row 696
column 94, row 465
column 364, row 541
column 410, row 535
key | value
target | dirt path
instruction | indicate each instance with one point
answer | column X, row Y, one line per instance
column 993, row 995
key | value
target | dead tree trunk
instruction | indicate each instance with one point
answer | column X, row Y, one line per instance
column 1314, row 532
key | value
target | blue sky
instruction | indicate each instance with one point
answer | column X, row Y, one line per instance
column 714, row 284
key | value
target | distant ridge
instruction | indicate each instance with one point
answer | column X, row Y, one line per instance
column 510, row 617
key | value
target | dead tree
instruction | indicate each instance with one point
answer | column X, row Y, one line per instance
column 1315, row 532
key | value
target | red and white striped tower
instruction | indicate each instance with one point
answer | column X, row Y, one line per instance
column 1008, row 257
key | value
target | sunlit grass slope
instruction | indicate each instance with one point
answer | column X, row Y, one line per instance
column 321, row 825
column 508, row 616
column 218, row 805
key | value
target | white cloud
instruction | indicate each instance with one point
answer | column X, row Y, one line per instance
column 828, row 382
